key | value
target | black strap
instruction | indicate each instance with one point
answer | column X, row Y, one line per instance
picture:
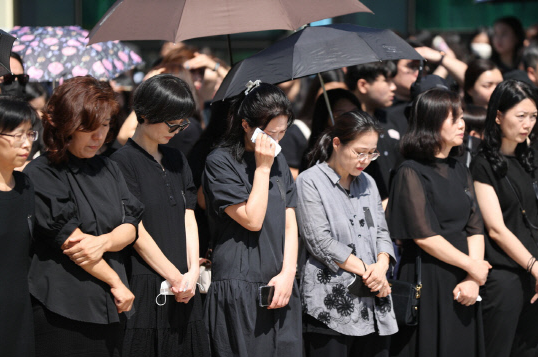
column 418, row 270
column 523, row 212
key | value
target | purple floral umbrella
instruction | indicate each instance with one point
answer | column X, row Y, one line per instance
column 56, row 53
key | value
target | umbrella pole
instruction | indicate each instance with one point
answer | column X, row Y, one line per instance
column 230, row 50
column 326, row 98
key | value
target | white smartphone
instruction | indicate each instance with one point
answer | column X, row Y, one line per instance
column 255, row 135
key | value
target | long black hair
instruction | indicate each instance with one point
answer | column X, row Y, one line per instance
column 261, row 105
column 423, row 141
column 347, row 128
column 475, row 70
column 507, row 94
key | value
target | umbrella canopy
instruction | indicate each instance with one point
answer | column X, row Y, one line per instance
column 177, row 20
column 54, row 53
column 314, row 50
column 6, row 42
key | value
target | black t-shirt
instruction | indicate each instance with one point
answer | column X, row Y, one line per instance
column 166, row 192
column 522, row 183
column 239, row 253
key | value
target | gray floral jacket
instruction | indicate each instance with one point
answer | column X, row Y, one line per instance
column 334, row 224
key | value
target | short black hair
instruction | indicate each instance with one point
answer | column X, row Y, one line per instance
column 14, row 112
column 18, row 57
column 431, row 108
column 368, row 72
column 261, row 105
column 475, row 118
column 161, row 98
column 530, row 55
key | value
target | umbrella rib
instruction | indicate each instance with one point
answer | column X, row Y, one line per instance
column 179, row 21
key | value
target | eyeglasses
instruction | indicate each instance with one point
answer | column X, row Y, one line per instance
column 174, row 127
column 363, row 155
column 21, row 78
column 20, row 137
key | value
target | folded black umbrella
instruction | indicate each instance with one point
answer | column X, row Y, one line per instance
column 314, row 50
column 6, row 43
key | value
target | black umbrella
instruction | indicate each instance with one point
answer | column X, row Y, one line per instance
column 314, row 50
column 6, row 43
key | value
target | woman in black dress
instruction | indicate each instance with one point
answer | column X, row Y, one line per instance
column 16, row 221
column 505, row 173
column 433, row 210
column 85, row 215
column 250, row 196
column 167, row 247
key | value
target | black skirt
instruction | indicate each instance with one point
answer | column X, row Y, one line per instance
column 58, row 336
column 174, row 329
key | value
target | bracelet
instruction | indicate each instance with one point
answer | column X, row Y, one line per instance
column 440, row 63
column 384, row 253
column 217, row 65
column 530, row 264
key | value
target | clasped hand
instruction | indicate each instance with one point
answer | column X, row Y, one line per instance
column 375, row 278
column 85, row 249
column 185, row 288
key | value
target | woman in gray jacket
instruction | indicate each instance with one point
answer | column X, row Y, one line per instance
column 342, row 223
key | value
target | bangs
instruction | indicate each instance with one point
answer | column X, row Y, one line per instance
column 95, row 114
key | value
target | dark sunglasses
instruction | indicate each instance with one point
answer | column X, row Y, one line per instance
column 174, row 127
column 10, row 78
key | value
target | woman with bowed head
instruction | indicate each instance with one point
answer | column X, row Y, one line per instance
column 481, row 78
column 85, row 215
column 16, row 220
column 432, row 209
column 250, row 197
column 505, row 173
column 343, row 225
column 167, row 247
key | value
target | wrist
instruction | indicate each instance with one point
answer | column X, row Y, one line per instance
column 107, row 241
column 288, row 271
column 442, row 54
column 115, row 282
column 263, row 170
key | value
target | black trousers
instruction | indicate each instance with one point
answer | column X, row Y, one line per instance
column 510, row 320
column 321, row 345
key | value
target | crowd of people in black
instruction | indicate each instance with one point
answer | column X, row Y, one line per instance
column 301, row 221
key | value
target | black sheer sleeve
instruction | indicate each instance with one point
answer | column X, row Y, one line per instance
column 409, row 211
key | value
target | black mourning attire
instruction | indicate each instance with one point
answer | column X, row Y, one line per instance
column 244, row 260
column 16, row 220
column 425, row 201
column 175, row 329
column 74, row 311
column 510, row 326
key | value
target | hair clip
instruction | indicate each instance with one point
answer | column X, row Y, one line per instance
column 251, row 85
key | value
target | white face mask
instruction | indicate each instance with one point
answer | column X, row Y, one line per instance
column 166, row 289
column 482, row 50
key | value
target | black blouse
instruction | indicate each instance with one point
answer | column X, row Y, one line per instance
column 90, row 194
column 433, row 199
column 522, row 181
column 167, row 191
